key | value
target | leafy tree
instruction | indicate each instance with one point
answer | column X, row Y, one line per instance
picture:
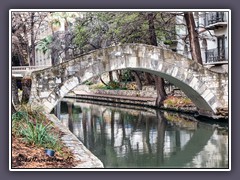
column 25, row 28
column 101, row 29
column 62, row 41
column 44, row 44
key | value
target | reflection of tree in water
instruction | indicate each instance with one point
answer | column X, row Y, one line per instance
column 130, row 125
column 135, row 138
column 112, row 127
column 70, row 116
column 181, row 121
column 84, row 124
column 161, row 128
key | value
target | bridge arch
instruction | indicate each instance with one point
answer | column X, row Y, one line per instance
column 203, row 87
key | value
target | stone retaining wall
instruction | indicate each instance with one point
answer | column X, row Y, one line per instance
column 132, row 93
column 80, row 152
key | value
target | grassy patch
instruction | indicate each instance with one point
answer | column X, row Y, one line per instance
column 32, row 126
column 177, row 102
column 112, row 85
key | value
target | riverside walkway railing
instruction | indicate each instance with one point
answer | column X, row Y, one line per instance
column 28, row 68
column 20, row 71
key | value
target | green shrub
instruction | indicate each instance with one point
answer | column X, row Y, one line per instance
column 34, row 128
column 168, row 42
column 17, row 119
column 88, row 83
column 113, row 85
column 126, row 76
column 19, row 116
column 38, row 134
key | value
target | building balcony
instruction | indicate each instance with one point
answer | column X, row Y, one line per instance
column 216, row 56
column 215, row 20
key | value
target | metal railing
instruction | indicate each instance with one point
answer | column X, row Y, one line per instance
column 216, row 55
column 214, row 17
column 28, row 68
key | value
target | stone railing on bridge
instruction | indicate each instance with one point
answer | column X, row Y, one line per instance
column 20, row 71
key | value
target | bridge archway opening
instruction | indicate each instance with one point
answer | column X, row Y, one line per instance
column 195, row 97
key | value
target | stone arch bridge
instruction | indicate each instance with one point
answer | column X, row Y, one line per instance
column 207, row 90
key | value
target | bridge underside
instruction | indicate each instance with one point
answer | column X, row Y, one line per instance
column 199, row 84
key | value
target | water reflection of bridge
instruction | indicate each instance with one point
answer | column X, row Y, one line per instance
column 121, row 135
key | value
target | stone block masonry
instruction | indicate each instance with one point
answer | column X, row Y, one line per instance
column 207, row 90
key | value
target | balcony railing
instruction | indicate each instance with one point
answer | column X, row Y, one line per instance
column 213, row 18
column 216, row 55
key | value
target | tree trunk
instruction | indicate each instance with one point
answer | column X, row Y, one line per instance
column 161, row 93
column 26, row 86
column 159, row 82
column 119, row 75
column 193, row 37
column 147, row 78
column 100, row 77
column 32, row 47
column 151, row 29
column 15, row 97
column 137, row 79
column 110, row 76
column 70, row 116
column 13, row 110
column 66, row 49
column 54, row 56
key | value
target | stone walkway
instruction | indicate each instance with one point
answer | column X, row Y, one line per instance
column 145, row 101
column 88, row 160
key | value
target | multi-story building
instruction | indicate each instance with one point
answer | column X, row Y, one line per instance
column 55, row 23
column 43, row 59
column 212, row 28
column 215, row 37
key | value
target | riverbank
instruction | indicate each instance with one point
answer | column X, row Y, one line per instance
column 71, row 153
column 125, row 98
column 176, row 103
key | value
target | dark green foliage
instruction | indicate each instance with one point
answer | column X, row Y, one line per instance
column 39, row 134
column 44, row 44
column 88, row 83
column 126, row 76
column 101, row 29
column 113, row 85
